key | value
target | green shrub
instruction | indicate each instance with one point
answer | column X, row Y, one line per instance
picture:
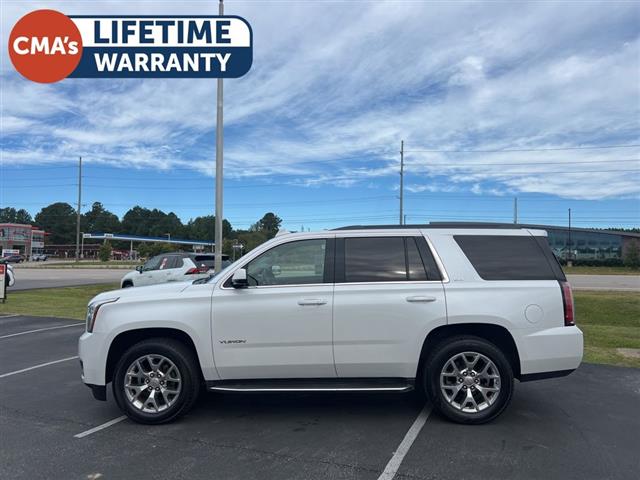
column 104, row 254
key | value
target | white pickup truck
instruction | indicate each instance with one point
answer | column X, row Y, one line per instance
column 455, row 313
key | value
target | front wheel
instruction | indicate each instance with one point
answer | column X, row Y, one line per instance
column 156, row 381
column 468, row 380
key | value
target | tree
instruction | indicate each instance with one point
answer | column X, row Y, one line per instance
column 203, row 228
column 104, row 254
column 269, row 224
column 632, row 254
column 137, row 221
column 151, row 223
column 148, row 250
column 99, row 220
column 11, row 215
column 59, row 221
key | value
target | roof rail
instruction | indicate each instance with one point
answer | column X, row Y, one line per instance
column 431, row 225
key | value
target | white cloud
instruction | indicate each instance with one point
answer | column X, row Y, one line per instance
column 348, row 81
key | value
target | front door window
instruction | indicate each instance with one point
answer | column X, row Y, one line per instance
column 294, row 263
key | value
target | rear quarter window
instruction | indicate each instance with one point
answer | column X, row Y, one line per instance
column 501, row 257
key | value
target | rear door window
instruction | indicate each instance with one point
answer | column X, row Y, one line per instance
column 415, row 267
column 386, row 259
column 208, row 261
column 503, row 257
column 374, row 259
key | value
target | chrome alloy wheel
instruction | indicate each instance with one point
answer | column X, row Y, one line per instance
column 470, row 382
column 152, row 383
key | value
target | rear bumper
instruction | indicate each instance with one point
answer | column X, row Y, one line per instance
column 530, row 377
column 549, row 353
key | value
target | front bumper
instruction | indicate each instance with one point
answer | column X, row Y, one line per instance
column 93, row 358
column 99, row 391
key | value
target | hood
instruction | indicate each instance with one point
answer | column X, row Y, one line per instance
column 160, row 290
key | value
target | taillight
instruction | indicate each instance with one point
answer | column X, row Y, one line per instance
column 197, row 270
column 567, row 301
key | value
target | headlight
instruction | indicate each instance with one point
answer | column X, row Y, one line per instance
column 92, row 312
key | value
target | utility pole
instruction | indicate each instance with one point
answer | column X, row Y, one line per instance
column 570, row 242
column 218, row 224
column 78, row 211
column 401, row 182
column 515, row 210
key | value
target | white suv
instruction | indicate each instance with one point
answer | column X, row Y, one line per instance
column 457, row 314
column 172, row 267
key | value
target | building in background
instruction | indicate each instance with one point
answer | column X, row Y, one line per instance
column 27, row 240
column 587, row 244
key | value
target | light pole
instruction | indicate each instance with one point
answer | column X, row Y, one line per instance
column 219, row 138
column 401, row 181
column 79, row 208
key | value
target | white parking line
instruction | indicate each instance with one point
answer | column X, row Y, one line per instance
column 9, row 316
column 394, row 464
column 42, row 330
column 38, row 366
column 100, row 427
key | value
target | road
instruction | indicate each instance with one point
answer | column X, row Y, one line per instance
column 581, row 427
column 622, row 283
column 30, row 278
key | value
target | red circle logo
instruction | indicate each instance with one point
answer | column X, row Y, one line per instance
column 45, row 46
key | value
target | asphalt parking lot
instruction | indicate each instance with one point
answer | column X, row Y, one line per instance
column 584, row 426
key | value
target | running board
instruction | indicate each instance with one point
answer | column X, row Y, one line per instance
column 314, row 385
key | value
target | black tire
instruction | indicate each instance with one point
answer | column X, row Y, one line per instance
column 127, row 284
column 446, row 350
column 186, row 363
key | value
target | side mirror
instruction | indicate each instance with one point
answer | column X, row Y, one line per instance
column 139, row 268
column 239, row 279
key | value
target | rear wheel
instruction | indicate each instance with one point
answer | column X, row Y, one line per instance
column 156, row 381
column 127, row 284
column 468, row 379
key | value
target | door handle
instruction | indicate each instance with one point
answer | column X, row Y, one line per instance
column 420, row 299
column 311, row 301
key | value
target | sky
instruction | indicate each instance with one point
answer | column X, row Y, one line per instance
column 493, row 100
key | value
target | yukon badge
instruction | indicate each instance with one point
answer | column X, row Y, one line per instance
column 232, row 341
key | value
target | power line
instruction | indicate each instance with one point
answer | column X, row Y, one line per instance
column 329, row 179
column 554, row 149
column 518, row 164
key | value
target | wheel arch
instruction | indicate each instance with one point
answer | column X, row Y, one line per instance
column 126, row 339
column 496, row 334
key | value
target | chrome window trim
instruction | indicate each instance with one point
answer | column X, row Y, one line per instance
column 391, row 282
column 436, row 257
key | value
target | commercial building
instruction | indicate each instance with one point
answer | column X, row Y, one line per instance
column 572, row 243
column 20, row 238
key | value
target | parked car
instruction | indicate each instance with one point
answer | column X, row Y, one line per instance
column 172, row 267
column 456, row 314
column 14, row 259
column 39, row 257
